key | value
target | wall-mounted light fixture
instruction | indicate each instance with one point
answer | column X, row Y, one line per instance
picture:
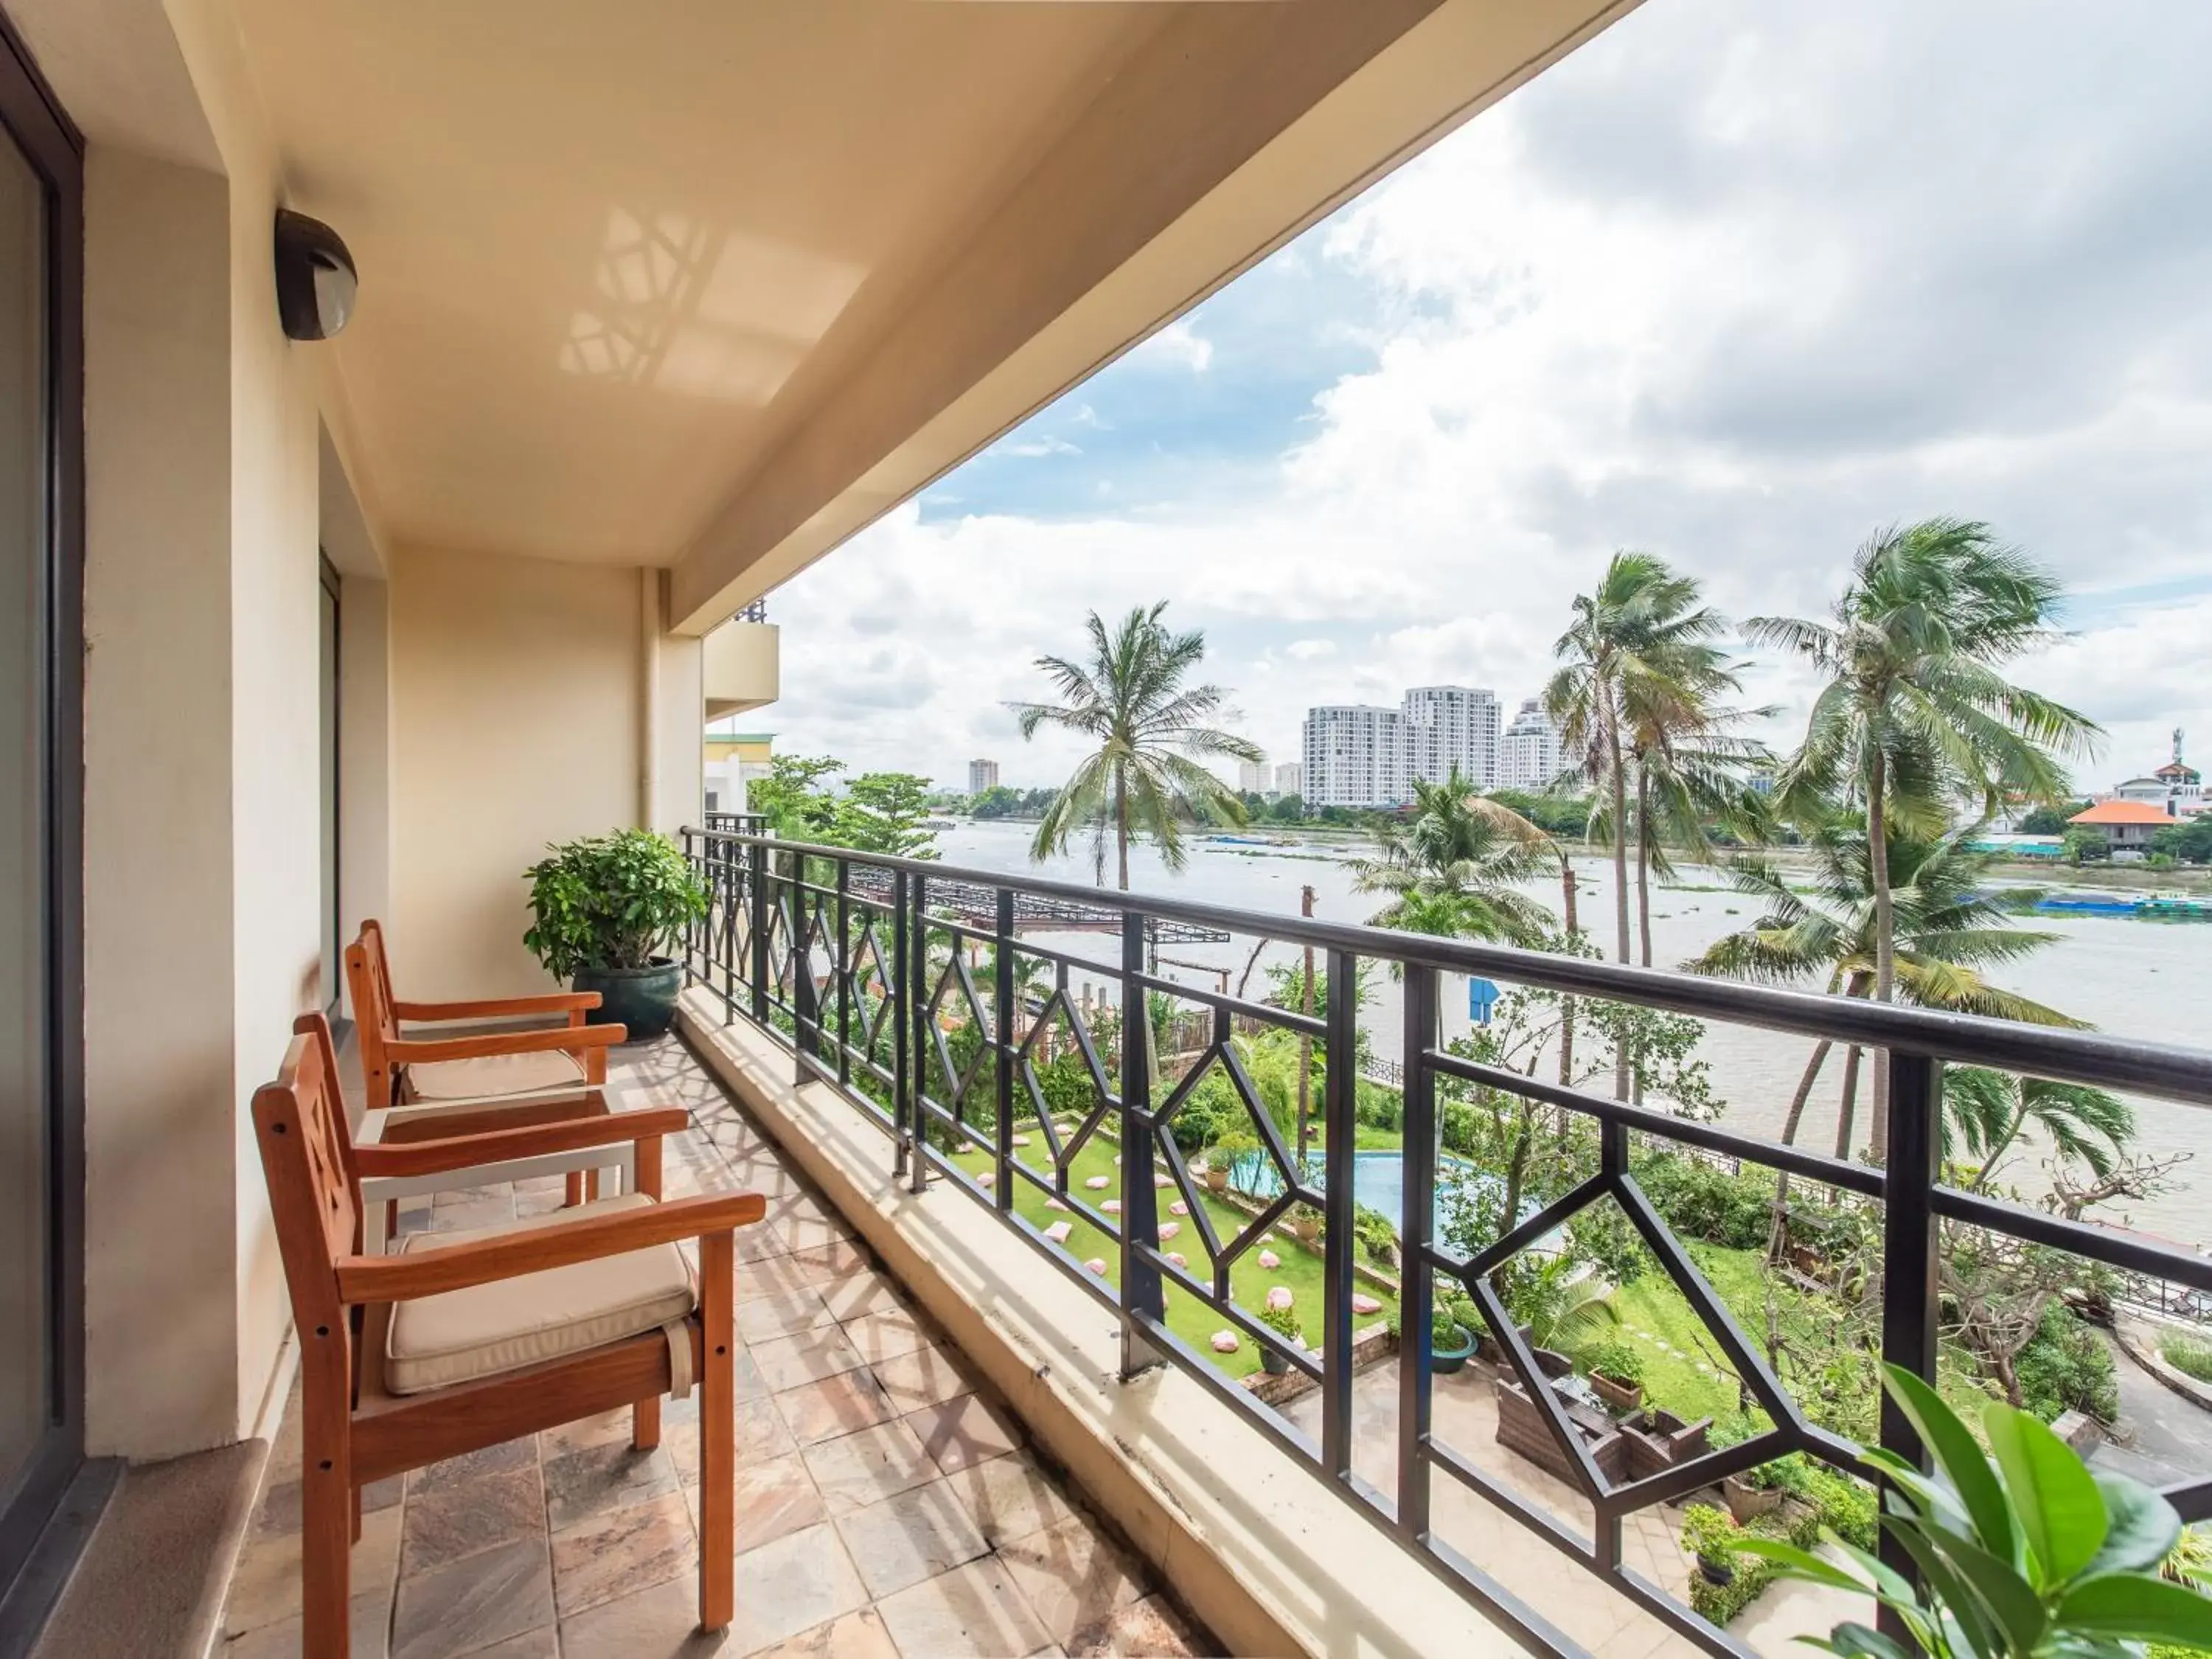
column 315, row 277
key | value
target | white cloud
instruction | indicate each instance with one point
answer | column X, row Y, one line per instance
column 1030, row 448
column 1178, row 344
column 1309, row 650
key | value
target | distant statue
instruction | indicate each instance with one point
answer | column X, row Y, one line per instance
column 2176, row 746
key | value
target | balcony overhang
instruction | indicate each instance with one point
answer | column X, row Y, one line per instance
column 709, row 288
column 741, row 668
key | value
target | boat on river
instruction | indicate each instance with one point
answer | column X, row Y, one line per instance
column 2147, row 907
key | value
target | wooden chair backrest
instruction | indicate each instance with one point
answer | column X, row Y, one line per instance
column 368, row 980
column 306, row 1158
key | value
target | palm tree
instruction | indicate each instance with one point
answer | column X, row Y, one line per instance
column 1915, row 713
column 1561, row 1304
column 1151, row 733
column 1637, row 660
column 1451, row 868
column 1951, row 923
column 1986, row 1113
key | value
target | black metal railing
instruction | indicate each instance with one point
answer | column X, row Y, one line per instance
column 736, row 824
column 930, row 1016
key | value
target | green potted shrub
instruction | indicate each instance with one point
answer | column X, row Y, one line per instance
column 1616, row 1371
column 607, row 909
column 1221, row 1158
column 1305, row 1224
column 1451, row 1341
column 1284, row 1321
column 1714, row 1539
column 2021, row 1550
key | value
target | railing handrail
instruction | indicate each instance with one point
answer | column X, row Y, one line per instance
column 2168, row 1070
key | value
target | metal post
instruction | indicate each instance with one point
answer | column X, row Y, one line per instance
column 917, row 1009
column 902, row 1078
column 1908, row 1262
column 843, row 957
column 722, row 864
column 1142, row 1294
column 1341, row 1122
column 1002, row 1033
column 1415, row 1238
column 806, row 1006
column 759, row 860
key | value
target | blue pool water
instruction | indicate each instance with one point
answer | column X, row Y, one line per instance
column 1377, row 1180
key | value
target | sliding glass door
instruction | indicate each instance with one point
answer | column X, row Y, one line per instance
column 42, row 653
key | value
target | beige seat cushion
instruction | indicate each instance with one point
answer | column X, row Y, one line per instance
column 494, row 1074
column 438, row 1340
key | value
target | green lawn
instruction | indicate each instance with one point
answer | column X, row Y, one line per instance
column 1299, row 1269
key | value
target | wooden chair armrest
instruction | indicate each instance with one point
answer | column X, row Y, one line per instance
column 365, row 1278
column 569, row 1039
column 552, row 1002
column 464, row 1151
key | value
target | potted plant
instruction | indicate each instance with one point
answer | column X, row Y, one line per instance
column 1223, row 1156
column 1616, row 1371
column 1284, row 1321
column 2024, row 1551
column 1451, row 1344
column 1754, row 1492
column 1714, row 1539
column 1305, row 1224
column 607, row 909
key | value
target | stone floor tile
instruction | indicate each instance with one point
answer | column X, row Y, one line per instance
column 541, row 1644
column 1150, row 1629
column 924, row 1377
column 278, row 1513
column 882, row 1336
column 862, row 1292
column 762, row 1431
column 623, row 1551
column 856, row 1636
column 265, row 1587
column 787, row 1313
column 810, row 1232
column 914, row 1535
column 1009, row 1498
column 484, row 1212
column 456, row 1472
column 773, row 1500
column 605, row 1429
column 961, row 1431
column 759, row 1242
column 975, row 1609
column 492, row 1597
column 581, row 1484
column 789, row 1361
column 839, row 1259
column 835, row 1405
column 660, row 1623
column 1072, row 1577
column 458, row 1518
column 868, row 1466
column 793, row 1585
column 780, row 1275
column 370, row 1631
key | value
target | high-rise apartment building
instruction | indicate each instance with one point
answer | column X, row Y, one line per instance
column 1253, row 777
column 1290, row 779
column 1358, row 754
column 1528, row 753
column 982, row 774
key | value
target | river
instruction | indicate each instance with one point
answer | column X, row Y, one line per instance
column 2126, row 977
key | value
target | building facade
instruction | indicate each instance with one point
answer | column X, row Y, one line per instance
column 1290, row 779
column 1362, row 755
column 982, row 774
column 1528, row 753
column 1254, row 777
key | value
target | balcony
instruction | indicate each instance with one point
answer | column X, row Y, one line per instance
column 904, row 1032
column 740, row 667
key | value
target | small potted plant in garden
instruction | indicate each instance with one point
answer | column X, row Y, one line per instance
column 1284, row 1321
column 1616, row 1371
column 1451, row 1343
column 2022, row 1550
column 1305, row 1224
column 1755, row 1491
column 608, row 908
column 1223, row 1156
column 1713, row 1539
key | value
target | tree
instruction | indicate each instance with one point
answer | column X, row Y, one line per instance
column 2190, row 842
column 996, row 802
column 2049, row 820
column 884, row 812
column 1986, row 1113
column 1451, row 868
column 1915, row 715
column 1152, row 734
column 1637, row 660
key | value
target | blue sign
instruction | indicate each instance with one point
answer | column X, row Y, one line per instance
column 1481, row 998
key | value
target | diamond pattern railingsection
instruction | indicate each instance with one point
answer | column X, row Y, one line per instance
column 1059, row 1012
column 1221, row 1055
column 957, row 977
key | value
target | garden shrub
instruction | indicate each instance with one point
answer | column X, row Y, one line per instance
column 1377, row 1236
column 1701, row 1200
column 2065, row 1366
column 1843, row 1503
column 2188, row 1356
column 1704, row 1528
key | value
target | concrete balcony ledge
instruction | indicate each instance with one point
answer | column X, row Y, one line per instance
column 1249, row 1540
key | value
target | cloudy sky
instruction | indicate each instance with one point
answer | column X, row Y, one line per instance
column 1738, row 282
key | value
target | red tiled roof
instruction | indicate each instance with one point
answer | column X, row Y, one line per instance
column 2124, row 811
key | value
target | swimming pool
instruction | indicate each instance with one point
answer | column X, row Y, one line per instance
column 1377, row 1180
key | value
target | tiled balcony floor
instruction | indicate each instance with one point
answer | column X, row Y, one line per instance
column 884, row 1510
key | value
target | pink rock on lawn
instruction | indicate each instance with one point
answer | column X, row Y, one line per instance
column 1162, row 1181
column 1111, row 1207
column 1096, row 1265
column 1176, row 1256
column 1280, row 1296
column 1168, row 1229
column 1179, row 1208
column 989, row 1178
column 1053, row 1204
column 1021, row 1140
column 1270, row 1261
column 1224, row 1342
column 1364, row 1304
column 1058, row 1231
column 1099, row 1184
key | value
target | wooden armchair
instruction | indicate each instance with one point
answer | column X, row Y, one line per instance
column 470, row 1339
column 426, row 1070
